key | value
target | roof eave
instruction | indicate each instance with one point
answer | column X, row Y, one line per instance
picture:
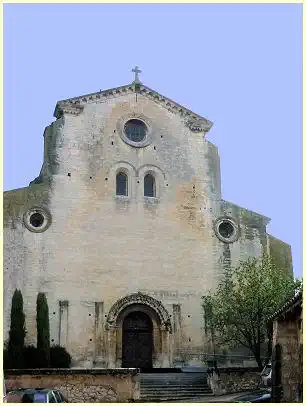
column 205, row 124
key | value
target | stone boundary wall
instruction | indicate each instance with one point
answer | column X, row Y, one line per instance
column 80, row 385
column 231, row 380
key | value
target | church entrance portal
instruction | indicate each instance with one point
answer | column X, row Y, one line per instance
column 137, row 341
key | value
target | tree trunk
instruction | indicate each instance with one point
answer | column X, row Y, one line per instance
column 257, row 353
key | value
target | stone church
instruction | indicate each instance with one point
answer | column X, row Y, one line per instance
column 125, row 229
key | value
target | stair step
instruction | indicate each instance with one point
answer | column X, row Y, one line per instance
column 178, row 397
column 154, row 392
column 173, row 386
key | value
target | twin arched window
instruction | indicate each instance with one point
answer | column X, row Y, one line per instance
column 122, row 185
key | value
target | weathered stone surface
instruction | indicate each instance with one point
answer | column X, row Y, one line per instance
column 231, row 380
column 101, row 247
column 81, row 386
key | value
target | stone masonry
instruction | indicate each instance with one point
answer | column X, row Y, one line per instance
column 98, row 256
column 80, row 386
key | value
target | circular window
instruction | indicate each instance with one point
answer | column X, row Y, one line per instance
column 37, row 219
column 226, row 230
column 135, row 130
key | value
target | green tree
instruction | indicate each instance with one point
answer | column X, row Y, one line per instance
column 236, row 313
column 43, row 330
column 17, row 332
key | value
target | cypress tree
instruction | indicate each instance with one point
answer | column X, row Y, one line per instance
column 17, row 332
column 43, row 331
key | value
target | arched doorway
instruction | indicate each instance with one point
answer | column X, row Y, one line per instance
column 137, row 340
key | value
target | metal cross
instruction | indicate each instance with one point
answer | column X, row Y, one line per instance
column 136, row 70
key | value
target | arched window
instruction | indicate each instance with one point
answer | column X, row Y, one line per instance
column 149, row 186
column 121, row 184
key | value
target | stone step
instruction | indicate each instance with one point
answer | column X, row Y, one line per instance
column 173, row 386
column 177, row 397
column 176, row 379
column 177, row 386
column 174, row 392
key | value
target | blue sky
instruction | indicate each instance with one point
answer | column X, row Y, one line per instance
column 239, row 65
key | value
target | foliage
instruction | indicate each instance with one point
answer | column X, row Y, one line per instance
column 236, row 314
column 43, row 330
column 17, row 332
column 30, row 357
column 59, row 357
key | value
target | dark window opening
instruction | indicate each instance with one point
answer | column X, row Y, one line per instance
column 36, row 219
column 149, row 185
column 135, row 130
column 121, row 184
column 226, row 229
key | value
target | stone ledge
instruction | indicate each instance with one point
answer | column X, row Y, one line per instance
column 68, row 371
column 238, row 369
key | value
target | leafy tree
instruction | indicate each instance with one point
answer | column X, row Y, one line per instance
column 43, row 330
column 17, row 332
column 236, row 313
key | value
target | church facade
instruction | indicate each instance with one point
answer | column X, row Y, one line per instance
column 125, row 229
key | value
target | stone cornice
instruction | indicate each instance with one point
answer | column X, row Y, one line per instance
column 68, row 108
column 194, row 122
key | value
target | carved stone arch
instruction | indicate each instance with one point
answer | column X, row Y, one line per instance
column 153, row 169
column 124, row 166
column 139, row 298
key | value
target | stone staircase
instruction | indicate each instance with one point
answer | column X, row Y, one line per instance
column 168, row 386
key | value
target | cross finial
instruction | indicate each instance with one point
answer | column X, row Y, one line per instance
column 136, row 70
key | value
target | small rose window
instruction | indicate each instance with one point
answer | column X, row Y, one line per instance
column 226, row 230
column 37, row 219
column 135, row 130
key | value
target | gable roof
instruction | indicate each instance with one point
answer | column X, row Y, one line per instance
column 294, row 301
column 75, row 105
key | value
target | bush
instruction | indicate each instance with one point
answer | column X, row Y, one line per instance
column 43, row 331
column 17, row 332
column 59, row 357
column 30, row 356
column 7, row 363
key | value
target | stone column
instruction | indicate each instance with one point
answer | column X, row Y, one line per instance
column 99, row 350
column 63, row 323
column 177, row 322
column 111, row 345
column 166, row 358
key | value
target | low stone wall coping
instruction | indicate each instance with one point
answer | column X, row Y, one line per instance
column 72, row 371
column 238, row 369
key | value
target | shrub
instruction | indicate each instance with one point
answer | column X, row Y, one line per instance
column 17, row 332
column 43, row 331
column 30, row 356
column 59, row 357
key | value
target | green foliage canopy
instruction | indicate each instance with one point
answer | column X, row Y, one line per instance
column 236, row 313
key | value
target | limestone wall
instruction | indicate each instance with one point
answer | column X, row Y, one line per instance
column 80, row 386
column 101, row 247
column 287, row 333
column 231, row 380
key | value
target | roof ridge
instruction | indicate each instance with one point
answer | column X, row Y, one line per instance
column 195, row 121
